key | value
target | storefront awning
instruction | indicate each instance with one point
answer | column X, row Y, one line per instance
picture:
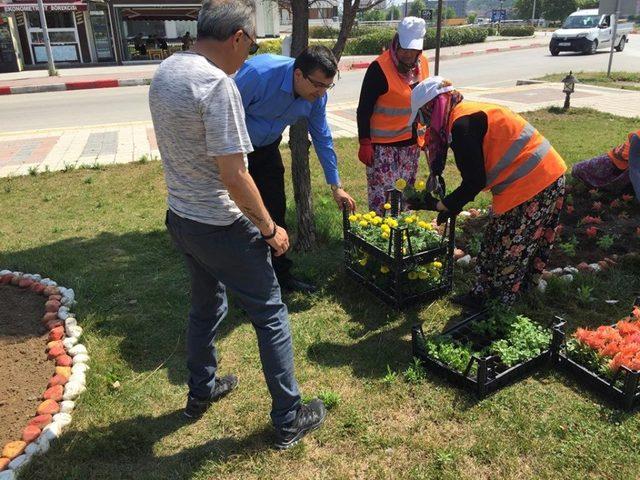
column 148, row 14
column 48, row 7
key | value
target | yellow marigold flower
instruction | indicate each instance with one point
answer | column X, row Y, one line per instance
column 409, row 219
column 384, row 235
column 358, row 216
column 412, row 275
column 423, row 275
column 429, row 227
column 364, row 223
column 401, row 184
column 423, row 224
column 385, row 228
column 420, row 186
column 437, row 264
column 372, row 214
column 362, row 261
column 353, row 218
column 387, row 206
column 384, row 269
column 376, row 221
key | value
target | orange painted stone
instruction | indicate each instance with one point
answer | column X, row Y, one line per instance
column 54, row 393
column 58, row 379
column 56, row 333
column 12, row 449
column 48, row 406
column 41, row 421
column 30, row 433
column 64, row 361
column 55, row 343
column 51, row 291
column 25, row 283
column 64, row 371
column 4, row 462
column 56, row 352
column 49, row 316
column 53, row 324
column 55, row 297
column 37, row 287
column 52, row 306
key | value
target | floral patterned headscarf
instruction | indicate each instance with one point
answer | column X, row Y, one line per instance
column 413, row 75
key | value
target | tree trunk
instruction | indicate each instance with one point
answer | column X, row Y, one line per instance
column 349, row 11
column 299, row 141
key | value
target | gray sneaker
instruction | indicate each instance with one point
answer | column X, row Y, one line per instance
column 308, row 418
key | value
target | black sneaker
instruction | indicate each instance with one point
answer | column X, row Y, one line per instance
column 196, row 407
column 308, row 418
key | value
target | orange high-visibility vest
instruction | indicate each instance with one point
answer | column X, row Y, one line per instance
column 519, row 162
column 620, row 155
column 392, row 110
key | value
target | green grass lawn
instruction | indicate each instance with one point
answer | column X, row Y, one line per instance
column 101, row 232
column 622, row 80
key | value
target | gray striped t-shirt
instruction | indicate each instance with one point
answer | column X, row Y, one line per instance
column 197, row 115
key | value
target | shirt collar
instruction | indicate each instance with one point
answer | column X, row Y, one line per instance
column 287, row 81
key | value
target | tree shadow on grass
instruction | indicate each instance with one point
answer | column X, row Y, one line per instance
column 127, row 449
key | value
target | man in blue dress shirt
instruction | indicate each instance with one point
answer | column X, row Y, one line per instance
column 276, row 92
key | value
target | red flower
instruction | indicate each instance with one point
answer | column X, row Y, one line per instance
column 591, row 232
column 559, row 230
column 627, row 198
column 597, row 206
column 615, row 203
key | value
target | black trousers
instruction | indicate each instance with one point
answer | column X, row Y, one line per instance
column 267, row 170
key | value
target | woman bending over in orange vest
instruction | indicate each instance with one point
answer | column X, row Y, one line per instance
column 616, row 171
column 496, row 150
column 388, row 146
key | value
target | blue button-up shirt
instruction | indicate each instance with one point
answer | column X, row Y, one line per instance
column 266, row 86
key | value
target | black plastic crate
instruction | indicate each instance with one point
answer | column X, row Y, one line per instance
column 622, row 390
column 395, row 288
column 490, row 373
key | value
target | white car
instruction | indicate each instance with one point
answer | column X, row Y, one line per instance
column 587, row 31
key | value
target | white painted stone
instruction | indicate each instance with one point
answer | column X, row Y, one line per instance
column 19, row 462
column 464, row 213
column 43, row 444
column 464, row 261
column 542, row 285
column 79, row 368
column 571, row 270
column 72, row 390
column 73, row 351
column 63, row 313
column 63, row 419
column 70, row 322
column 51, row 431
column 18, row 274
column 8, row 475
column 4, row 272
column 595, row 267
column 67, row 406
column 36, row 277
column 75, row 331
column 556, row 271
column 81, row 358
column 78, row 378
column 567, row 278
column 69, row 342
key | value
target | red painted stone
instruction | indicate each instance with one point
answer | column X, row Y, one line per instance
column 56, row 333
column 48, row 406
column 603, row 264
column 53, row 393
column 64, row 361
column 57, row 379
column 12, row 449
column 54, row 324
column 41, row 421
column 25, row 283
column 56, row 352
column 49, row 316
column 52, row 306
column 30, row 433
column 583, row 267
column 4, row 462
column 55, row 297
column 4, row 279
column 15, row 280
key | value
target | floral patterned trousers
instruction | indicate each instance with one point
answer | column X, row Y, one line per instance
column 517, row 245
column 389, row 164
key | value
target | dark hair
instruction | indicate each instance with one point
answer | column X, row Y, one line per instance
column 220, row 19
column 317, row 57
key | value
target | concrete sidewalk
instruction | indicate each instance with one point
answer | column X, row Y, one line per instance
column 57, row 149
column 35, row 81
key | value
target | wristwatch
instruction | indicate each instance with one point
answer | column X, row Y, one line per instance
column 336, row 186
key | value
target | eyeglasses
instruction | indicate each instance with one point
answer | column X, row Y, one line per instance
column 254, row 46
column 318, row 84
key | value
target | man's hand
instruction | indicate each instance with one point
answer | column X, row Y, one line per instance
column 279, row 243
column 341, row 197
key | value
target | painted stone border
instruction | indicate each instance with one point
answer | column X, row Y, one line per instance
column 68, row 381
column 566, row 274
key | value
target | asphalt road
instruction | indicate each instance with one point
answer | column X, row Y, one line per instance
column 129, row 104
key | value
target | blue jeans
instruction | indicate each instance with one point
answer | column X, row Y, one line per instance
column 235, row 257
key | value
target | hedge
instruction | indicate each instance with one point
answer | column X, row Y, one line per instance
column 331, row 32
column 517, row 31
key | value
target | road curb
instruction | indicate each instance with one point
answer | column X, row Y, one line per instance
column 135, row 82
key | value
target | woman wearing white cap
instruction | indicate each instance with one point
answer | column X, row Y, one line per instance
column 388, row 147
column 497, row 150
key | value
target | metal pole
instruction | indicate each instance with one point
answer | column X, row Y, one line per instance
column 438, row 36
column 47, row 43
column 613, row 38
column 533, row 14
column 405, row 7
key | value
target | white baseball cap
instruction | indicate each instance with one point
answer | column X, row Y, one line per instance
column 411, row 32
column 425, row 91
